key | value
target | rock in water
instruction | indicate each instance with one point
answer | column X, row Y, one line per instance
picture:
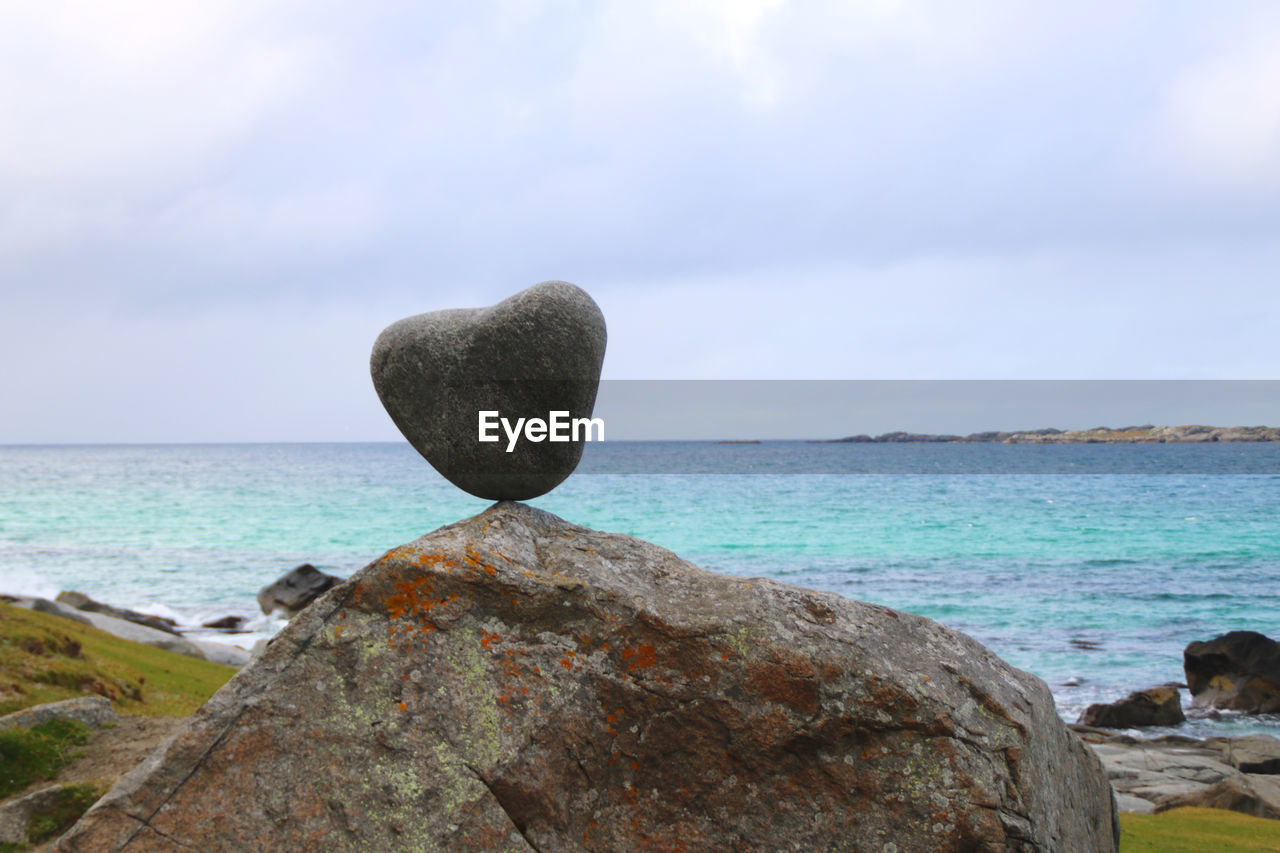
column 1155, row 706
column 516, row 682
column 1238, row 671
column 537, row 352
column 295, row 589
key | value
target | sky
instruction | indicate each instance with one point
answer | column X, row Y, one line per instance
column 208, row 211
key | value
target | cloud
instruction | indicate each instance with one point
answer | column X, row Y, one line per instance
column 1220, row 120
column 769, row 188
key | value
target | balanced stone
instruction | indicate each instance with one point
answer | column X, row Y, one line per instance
column 536, row 353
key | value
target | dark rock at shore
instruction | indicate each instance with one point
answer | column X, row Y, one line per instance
column 230, row 624
column 1237, row 671
column 516, row 682
column 537, row 352
column 1156, row 706
column 295, row 589
column 80, row 601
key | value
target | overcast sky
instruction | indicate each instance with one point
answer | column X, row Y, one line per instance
column 209, row 210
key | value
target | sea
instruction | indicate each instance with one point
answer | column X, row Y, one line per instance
column 1090, row 566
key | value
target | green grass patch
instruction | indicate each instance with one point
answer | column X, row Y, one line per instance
column 1194, row 830
column 73, row 801
column 45, row 658
column 27, row 755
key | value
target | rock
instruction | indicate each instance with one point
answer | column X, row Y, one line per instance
column 1156, row 706
column 231, row 624
column 44, row 605
column 80, row 601
column 1238, row 671
column 1130, row 803
column 222, row 653
column 1253, row 795
column 295, row 589
column 92, row 711
column 534, row 353
column 1157, row 772
column 15, row 815
column 118, row 627
column 1251, row 753
column 515, row 682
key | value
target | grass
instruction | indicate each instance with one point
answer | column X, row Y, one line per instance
column 1194, row 830
column 37, row 753
column 73, row 801
column 45, row 658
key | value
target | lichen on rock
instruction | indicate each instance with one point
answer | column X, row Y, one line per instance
column 516, row 682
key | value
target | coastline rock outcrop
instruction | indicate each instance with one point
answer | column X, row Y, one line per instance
column 516, row 682
column 1237, row 671
column 1174, row 770
column 1155, row 706
column 537, row 352
column 1141, row 434
column 295, row 589
column 80, row 601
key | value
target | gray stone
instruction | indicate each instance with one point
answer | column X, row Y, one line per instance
column 516, row 682
column 1251, row 753
column 15, row 815
column 121, row 628
column 1130, row 803
column 80, row 601
column 537, row 352
column 92, row 711
column 295, row 589
column 222, row 653
column 1247, row 793
column 44, row 605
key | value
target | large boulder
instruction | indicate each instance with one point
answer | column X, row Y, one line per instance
column 295, row 589
column 1238, row 671
column 1156, row 706
column 532, row 354
column 516, row 682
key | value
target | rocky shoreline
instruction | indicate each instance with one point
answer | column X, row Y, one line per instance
column 1154, row 775
column 1143, row 434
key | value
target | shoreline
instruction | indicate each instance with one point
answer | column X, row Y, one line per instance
column 1144, row 434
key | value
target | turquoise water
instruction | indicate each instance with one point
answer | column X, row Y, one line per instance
column 1095, row 582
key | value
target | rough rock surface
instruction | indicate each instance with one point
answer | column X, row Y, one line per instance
column 537, row 352
column 91, row 711
column 295, row 589
column 16, row 814
column 515, row 682
column 1155, row 706
column 1238, row 671
column 1161, row 773
column 1248, row 793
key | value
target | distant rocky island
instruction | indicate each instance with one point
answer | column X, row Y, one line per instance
column 1144, row 434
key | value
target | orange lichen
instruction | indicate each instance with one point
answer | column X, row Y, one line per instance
column 641, row 657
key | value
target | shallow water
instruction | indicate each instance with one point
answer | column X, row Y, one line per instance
column 1093, row 581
